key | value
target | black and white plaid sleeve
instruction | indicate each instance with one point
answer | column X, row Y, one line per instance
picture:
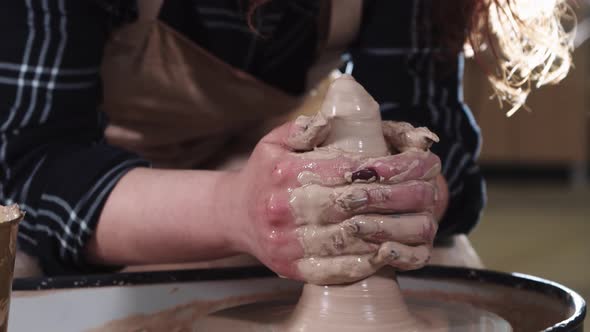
column 53, row 161
column 397, row 59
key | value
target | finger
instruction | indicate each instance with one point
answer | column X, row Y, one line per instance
column 332, row 240
column 339, row 170
column 308, row 132
column 407, row 197
column 336, row 270
column 354, row 236
column 303, row 134
column 408, row 229
column 315, row 204
column 409, row 165
column 351, row 268
column 401, row 256
column 402, row 136
column 296, row 170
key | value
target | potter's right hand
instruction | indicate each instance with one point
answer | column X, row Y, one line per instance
column 301, row 216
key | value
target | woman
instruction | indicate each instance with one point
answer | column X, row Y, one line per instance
column 92, row 205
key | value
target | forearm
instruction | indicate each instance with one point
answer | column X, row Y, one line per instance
column 164, row 216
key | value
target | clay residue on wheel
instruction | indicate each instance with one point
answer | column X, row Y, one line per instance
column 185, row 317
column 523, row 310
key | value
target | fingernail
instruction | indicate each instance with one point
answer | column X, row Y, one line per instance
column 352, row 227
column 358, row 202
column 393, row 255
column 353, row 200
column 368, row 174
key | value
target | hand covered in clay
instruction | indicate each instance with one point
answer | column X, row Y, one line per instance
column 328, row 217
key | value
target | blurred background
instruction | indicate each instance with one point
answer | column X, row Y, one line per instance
column 536, row 164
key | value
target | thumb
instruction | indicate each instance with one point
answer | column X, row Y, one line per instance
column 402, row 136
column 303, row 134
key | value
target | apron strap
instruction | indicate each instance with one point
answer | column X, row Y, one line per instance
column 149, row 9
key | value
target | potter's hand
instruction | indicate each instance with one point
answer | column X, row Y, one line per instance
column 402, row 136
column 390, row 205
column 299, row 213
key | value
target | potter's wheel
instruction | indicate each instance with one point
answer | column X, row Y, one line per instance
column 163, row 301
column 434, row 316
column 375, row 304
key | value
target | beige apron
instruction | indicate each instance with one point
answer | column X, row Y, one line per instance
column 179, row 106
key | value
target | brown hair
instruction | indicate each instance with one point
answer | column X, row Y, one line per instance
column 520, row 44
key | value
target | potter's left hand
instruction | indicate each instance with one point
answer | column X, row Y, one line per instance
column 326, row 217
column 386, row 216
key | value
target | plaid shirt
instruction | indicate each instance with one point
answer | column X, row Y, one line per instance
column 56, row 165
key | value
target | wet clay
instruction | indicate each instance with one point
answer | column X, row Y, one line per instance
column 9, row 218
column 355, row 121
column 402, row 136
column 187, row 317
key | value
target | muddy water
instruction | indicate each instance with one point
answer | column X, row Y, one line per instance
column 273, row 316
column 275, row 313
column 453, row 304
column 430, row 315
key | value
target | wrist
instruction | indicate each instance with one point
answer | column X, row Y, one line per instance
column 228, row 207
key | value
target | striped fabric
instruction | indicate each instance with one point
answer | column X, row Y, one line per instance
column 397, row 58
column 55, row 164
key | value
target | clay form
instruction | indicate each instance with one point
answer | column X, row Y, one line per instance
column 355, row 120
